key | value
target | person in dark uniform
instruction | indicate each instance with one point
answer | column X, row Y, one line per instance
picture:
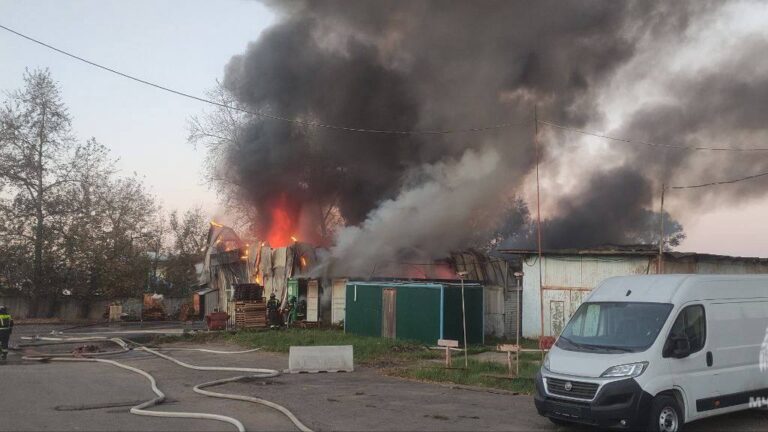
column 290, row 311
column 6, row 326
column 272, row 311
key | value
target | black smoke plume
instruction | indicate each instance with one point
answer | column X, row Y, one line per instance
column 437, row 65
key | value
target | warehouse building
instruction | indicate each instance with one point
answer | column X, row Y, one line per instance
column 568, row 276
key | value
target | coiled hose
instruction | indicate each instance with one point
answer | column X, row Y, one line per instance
column 141, row 409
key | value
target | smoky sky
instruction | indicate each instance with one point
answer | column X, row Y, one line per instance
column 437, row 65
column 609, row 210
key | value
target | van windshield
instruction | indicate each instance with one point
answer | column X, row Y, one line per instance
column 614, row 326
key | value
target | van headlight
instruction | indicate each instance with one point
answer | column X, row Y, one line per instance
column 546, row 362
column 626, row 370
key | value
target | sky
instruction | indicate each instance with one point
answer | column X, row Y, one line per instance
column 185, row 44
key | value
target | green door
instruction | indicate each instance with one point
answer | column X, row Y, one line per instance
column 293, row 288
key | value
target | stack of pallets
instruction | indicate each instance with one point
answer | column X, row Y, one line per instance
column 250, row 314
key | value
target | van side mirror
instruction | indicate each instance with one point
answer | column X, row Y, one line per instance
column 681, row 347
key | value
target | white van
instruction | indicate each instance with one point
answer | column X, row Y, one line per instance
column 655, row 352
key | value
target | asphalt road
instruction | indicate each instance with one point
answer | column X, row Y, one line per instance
column 67, row 396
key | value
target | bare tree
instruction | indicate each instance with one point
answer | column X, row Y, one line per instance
column 216, row 130
column 219, row 131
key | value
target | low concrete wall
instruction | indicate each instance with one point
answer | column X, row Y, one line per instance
column 75, row 309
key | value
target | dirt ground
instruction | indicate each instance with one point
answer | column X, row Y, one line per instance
column 68, row 396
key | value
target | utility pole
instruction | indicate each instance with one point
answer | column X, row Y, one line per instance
column 462, row 275
column 660, row 268
column 538, row 218
column 518, row 278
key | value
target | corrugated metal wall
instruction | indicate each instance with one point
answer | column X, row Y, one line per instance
column 338, row 300
column 567, row 280
column 417, row 314
column 495, row 312
column 512, row 299
column 452, row 322
column 211, row 302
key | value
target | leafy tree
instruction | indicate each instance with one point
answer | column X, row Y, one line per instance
column 188, row 234
column 36, row 163
column 648, row 233
column 189, row 231
column 68, row 224
column 513, row 227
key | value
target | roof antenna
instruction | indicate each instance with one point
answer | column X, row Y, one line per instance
column 629, row 292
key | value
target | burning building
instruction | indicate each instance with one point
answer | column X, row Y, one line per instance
column 297, row 269
column 229, row 263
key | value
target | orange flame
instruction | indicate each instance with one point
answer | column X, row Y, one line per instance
column 303, row 262
column 214, row 223
column 282, row 223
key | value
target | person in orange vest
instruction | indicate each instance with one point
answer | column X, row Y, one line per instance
column 6, row 327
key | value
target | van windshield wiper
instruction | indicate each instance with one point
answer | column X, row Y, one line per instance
column 593, row 347
column 580, row 345
column 608, row 348
column 620, row 348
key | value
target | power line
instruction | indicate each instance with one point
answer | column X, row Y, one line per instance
column 260, row 113
column 724, row 182
column 651, row 144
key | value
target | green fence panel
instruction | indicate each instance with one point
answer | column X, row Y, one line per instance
column 418, row 313
column 452, row 321
column 363, row 310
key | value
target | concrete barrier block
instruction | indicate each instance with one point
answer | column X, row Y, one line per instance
column 313, row 359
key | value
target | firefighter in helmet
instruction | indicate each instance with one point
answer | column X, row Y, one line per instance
column 6, row 326
column 272, row 311
column 290, row 312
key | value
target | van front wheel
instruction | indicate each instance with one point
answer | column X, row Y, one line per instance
column 666, row 415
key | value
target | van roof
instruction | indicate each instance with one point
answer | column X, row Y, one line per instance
column 675, row 288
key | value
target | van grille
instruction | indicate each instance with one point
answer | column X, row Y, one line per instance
column 580, row 390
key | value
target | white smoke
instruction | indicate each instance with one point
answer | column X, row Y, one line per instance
column 428, row 219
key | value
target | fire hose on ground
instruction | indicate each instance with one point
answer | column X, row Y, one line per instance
column 141, row 409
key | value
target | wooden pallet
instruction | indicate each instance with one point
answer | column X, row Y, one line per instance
column 250, row 314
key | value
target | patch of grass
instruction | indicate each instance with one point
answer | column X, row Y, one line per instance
column 401, row 358
column 368, row 351
column 478, row 374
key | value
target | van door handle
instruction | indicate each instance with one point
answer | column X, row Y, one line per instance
column 710, row 360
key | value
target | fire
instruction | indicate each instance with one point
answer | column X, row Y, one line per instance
column 303, row 262
column 282, row 223
column 443, row 271
column 294, row 239
column 214, row 223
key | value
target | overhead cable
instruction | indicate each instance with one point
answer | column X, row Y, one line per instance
column 723, row 182
column 652, row 144
column 262, row 113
